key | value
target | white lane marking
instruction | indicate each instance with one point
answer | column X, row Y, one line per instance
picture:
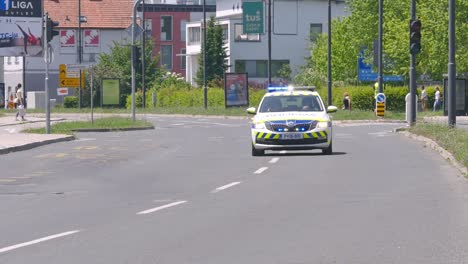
column 10, row 130
column 178, row 124
column 274, row 160
column 262, row 169
column 5, row 249
column 152, row 210
column 85, row 139
column 283, row 152
column 225, row 187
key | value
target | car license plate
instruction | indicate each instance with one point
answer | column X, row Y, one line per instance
column 292, row 136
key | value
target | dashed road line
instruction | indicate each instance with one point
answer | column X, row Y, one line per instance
column 283, row 152
column 261, row 170
column 224, row 187
column 36, row 241
column 152, row 210
column 274, row 160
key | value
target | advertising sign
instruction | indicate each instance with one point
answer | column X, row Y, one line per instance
column 110, row 91
column 21, row 27
column 252, row 17
column 236, row 92
column 2, row 95
column 92, row 42
column 68, row 41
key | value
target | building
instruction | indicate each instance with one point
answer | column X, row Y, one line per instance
column 294, row 24
column 166, row 22
column 103, row 22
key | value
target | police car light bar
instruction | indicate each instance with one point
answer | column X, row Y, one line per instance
column 290, row 88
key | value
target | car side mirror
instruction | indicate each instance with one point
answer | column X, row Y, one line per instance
column 251, row 110
column 332, row 109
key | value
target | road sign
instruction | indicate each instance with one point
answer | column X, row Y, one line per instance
column 62, row 91
column 70, row 78
column 380, row 109
column 380, row 98
column 252, row 17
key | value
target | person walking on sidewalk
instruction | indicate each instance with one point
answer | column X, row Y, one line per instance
column 437, row 99
column 423, row 98
column 20, row 102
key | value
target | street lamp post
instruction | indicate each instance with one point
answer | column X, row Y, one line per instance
column 205, row 91
column 412, row 96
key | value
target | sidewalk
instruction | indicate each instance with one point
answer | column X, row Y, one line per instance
column 11, row 138
column 461, row 121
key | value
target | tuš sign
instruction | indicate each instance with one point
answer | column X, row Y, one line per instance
column 252, row 17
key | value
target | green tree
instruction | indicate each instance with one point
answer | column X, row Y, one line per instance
column 117, row 64
column 216, row 63
column 353, row 34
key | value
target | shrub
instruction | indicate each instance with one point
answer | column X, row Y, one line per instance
column 70, row 102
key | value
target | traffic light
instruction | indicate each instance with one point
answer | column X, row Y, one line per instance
column 51, row 29
column 415, row 36
column 136, row 54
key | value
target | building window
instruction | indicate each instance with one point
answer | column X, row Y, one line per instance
column 149, row 26
column 194, row 35
column 9, row 60
column 166, row 28
column 225, row 33
column 315, row 31
column 183, row 24
column 17, row 60
column 259, row 68
column 183, row 61
column 240, row 36
column 166, row 56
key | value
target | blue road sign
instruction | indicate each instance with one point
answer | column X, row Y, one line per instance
column 380, row 98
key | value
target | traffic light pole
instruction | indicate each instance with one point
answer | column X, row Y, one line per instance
column 80, row 97
column 205, row 91
column 452, row 75
column 329, row 58
column 412, row 96
column 143, row 57
column 134, row 15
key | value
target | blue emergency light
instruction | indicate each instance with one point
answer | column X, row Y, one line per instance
column 279, row 89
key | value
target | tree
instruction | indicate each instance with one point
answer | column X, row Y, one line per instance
column 215, row 54
column 356, row 33
column 117, row 64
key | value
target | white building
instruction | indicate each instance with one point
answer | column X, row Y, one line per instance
column 294, row 23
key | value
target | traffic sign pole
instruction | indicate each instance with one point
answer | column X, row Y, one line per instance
column 46, row 81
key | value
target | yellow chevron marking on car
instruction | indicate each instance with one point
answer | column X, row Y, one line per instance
column 323, row 134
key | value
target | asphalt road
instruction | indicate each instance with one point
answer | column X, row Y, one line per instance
column 189, row 192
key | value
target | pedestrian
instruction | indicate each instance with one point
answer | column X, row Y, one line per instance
column 19, row 100
column 437, row 99
column 346, row 102
column 423, row 98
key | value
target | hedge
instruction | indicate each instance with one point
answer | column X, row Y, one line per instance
column 70, row 102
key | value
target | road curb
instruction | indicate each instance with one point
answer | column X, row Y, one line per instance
column 32, row 122
column 112, row 129
column 433, row 145
column 36, row 144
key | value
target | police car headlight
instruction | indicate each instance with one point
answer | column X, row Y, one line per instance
column 259, row 126
column 322, row 125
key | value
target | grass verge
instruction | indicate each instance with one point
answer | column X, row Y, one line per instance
column 454, row 141
column 112, row 123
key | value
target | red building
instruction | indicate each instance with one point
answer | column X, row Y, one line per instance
column 168, row 34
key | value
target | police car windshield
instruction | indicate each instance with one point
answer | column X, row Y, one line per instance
column 291, row 103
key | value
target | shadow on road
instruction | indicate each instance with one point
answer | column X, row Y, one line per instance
column 277, row 154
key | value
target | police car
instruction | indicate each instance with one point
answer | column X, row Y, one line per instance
column 291, row 118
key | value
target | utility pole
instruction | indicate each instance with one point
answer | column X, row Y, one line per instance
column 143, row 46
column 269, row 42
column 80, row 97
column 412, row 96
column 452, row 70
column 134, row 15
column 329, row 65
column 46, row 79
column 380, row 45
column 205, row 91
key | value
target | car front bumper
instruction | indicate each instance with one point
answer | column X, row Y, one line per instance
column 264, row 139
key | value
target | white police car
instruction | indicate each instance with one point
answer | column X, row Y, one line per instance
column 291, row 118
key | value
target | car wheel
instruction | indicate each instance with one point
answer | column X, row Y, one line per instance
column 257, row 152
column 329, row 150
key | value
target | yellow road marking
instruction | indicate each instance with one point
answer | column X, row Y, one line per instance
column 86, row 148
column 7, row 180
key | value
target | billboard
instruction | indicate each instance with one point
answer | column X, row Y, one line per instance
column 252, row 17
column 236, row 92
column 110, row 91
column 21, row 30
column 92, row 41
